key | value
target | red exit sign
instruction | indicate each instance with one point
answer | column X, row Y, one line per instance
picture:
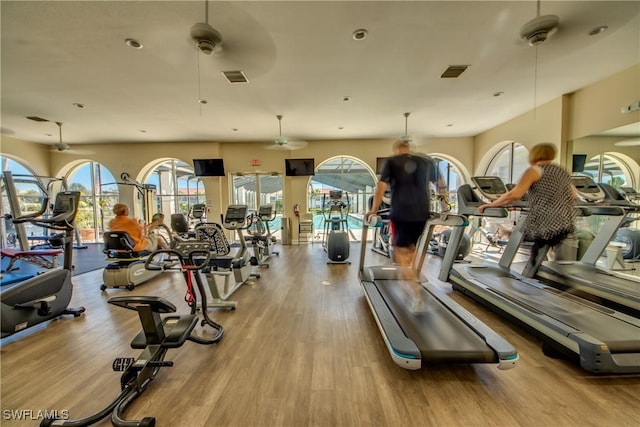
column 254, row 162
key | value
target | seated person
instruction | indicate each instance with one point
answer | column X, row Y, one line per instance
column 135, row 230
column 152, row 231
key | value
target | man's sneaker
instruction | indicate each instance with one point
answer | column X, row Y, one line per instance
column 417, row 305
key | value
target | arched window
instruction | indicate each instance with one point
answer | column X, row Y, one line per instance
column 452, row 176
column 610, row 169
column 509, row 163
column 98, row 194
column 177, row 187
column 29, row 191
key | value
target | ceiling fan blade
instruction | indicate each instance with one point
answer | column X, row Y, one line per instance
column 296, row 145
column 72, row 151
column 628, row 143
column 278, row 147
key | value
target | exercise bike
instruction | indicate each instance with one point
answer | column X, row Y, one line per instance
column 157, row 336
column 46, row 296
column 126, row 268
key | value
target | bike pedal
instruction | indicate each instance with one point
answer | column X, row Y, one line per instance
column 122, row 363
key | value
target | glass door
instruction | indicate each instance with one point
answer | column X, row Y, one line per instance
column 260, row 189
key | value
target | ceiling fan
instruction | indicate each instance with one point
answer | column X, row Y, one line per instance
column 540, row 28
column 207, row 39
column 283, row 143
column 60, row 147
column 406, row 137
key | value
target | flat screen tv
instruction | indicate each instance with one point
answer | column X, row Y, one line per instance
column 208, row 167
column 380, row 161
column 578, row 162
column 299, row 167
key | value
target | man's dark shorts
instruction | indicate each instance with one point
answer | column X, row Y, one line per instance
column 407, row 233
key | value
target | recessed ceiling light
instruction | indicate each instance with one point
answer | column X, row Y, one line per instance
column 143, row 131
column 340, row 127
column 499, row 93
column 77, row 104
column 597, row 30
column 450, row 125
column 133, row 43
column 360, row 34
column 346, row 98
column 202, row 101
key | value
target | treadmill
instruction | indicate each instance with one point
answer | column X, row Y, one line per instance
column 604, row 340
column 585, row 275
column 445, row 332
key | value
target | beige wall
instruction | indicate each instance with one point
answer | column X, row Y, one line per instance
column 544, row 124
column 598, row 107
column 35, row 156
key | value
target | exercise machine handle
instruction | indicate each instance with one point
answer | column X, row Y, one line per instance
column 190, row 259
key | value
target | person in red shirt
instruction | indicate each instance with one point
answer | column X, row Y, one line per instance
column 135, row 230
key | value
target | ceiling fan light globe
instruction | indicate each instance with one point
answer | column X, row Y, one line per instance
column 539, row 29
column 206, row 47
column 208, row 39
column 281, row 140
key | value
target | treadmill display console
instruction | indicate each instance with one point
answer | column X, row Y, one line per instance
column 491, row 187
column 588, row 190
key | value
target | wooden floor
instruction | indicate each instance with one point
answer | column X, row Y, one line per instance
column 302, row 349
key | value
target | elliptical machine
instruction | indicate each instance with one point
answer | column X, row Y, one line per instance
column 382, row 239
column 46, row 296
column 336, row 234
column 234, row 270
column 260, row 236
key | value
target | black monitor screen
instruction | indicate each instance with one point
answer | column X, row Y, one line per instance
column 299, row 167
column 578, row 162
column 380, row 161
column 490, row 185
column 208, row 167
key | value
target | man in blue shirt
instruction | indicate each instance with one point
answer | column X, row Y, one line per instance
column 407, row 176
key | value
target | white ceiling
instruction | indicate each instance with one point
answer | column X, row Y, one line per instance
column 301, row 61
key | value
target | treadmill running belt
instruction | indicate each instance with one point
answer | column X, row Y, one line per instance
column 439, row 334
column 619, row 335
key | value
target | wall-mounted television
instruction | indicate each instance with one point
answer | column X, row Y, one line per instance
column 208, row 167
column 299, row 167
column 578, row 162
column 380, row 161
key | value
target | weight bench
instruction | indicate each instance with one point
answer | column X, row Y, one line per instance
column 37, row 257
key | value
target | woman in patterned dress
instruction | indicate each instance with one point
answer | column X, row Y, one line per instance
column 552, row 198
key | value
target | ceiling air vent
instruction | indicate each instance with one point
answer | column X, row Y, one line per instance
column 454, row 71
column 235, row 77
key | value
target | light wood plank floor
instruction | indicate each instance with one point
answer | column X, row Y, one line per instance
column 298, row 352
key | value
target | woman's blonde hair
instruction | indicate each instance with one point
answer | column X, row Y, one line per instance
column 542, row 152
